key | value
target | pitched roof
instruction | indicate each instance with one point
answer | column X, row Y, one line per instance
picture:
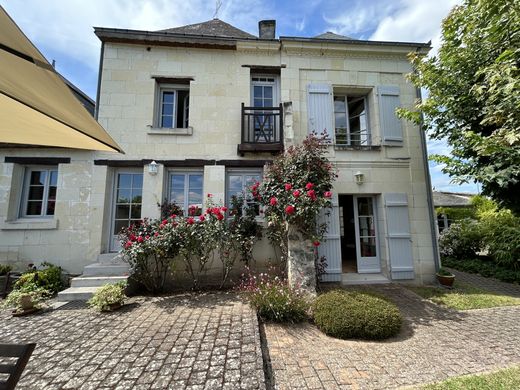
column 214, row 27
column 331, row 35
column 451, row 199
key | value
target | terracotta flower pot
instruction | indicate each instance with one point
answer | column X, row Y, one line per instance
column 446, row 280
column 26, row 302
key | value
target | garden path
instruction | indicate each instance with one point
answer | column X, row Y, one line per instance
column 490, row 284
column 203, row 341
column 434, row 344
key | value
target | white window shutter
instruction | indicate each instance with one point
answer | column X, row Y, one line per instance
column 390, row 124
column 331, row 245
column 399, row 236
column 320, row 109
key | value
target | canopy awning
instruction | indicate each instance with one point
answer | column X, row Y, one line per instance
column 36, row 106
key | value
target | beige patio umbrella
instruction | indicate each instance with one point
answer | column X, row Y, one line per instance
column 36, row 106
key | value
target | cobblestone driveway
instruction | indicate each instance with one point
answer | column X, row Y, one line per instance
column 435, row 343
column 208, row 341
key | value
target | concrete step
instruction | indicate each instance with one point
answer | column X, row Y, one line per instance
column 96, row 281
column 76, row 294
column 100, row 269
column 109, row 258
column 355, row 278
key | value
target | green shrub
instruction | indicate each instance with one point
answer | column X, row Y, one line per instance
column 48, row 278
column 38, row 295
column 346, row 315
column 5, row 269
column 501, row 237
column 273, row 298
column 462, row 240
column 485, row 267
column 108, row 295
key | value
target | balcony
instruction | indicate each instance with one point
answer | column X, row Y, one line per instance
column 262, row 130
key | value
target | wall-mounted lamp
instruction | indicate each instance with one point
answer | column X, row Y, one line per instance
column 360, row 177
column 152, row 168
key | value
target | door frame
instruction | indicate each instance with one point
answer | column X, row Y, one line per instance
column 111, row 236
column 360, row 259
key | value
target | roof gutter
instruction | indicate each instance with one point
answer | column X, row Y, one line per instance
column 429, row 191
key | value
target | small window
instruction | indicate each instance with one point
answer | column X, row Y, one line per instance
column 39, row 192
column 185, row 189
column 351, row 120
column 240, row 183
column 173, row 106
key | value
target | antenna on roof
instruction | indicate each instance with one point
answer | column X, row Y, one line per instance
column 218, row 4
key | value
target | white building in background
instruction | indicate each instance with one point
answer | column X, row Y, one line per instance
column 212, row 105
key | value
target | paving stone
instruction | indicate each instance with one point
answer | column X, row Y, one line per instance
column 434, row 344
column 151, row 343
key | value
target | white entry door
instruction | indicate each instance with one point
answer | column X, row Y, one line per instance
column 367, row 242
column 126, row 210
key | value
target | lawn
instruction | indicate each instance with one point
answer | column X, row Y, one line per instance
column 503, row 379
column 465, row 297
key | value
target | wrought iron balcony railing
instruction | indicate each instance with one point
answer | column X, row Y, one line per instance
column 262, row 129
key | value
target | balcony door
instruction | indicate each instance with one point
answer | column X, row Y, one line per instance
column 264, row 93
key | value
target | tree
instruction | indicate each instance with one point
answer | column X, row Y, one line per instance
column 474, row 96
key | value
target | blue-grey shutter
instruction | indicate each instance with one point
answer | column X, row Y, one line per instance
column 399, row 236
column 320, row 109
column 391, row 126
column 331, row 245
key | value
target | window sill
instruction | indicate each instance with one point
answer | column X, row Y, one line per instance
column 30, row 224
column 169, row 131
column 358, row 147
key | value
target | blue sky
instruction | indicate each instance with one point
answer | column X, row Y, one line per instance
column 62, row 29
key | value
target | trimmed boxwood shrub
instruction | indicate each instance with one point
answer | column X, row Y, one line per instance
column 344, row 315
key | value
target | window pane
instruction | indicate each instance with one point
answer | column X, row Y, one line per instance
column 366, row 226
column 195, row 197
column 122, row 211
column 177, row 197
column 123, row 196
column 195, row 181
column 118, row 225
column 136, row 195
column 341, row 120
column 36, row 192
column 168, row 97
column 365, row 206
column 50, row 207
column 167, row 109
column 177, row 181
column 52, row 193
column 137, row 180
column 34, row 208
column 257, row 91
column 182, row 104
column 235, row 183
column 54, row 178
column 135, row 211
column 368, row 246
column 268, row 92
column 258, row 102
column 38, row 177
column 339, row 104
column 124, row 180
column 167, row 121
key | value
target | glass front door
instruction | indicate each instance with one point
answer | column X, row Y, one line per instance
column 128, row 195
column 366, row 235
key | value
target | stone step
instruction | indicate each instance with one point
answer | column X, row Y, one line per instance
column 76, row 294
column 100, row 269
column 109, row 258
column 96, row 281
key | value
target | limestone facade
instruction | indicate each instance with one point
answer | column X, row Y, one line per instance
column 219, row 82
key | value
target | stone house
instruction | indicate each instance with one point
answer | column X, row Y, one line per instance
column 202, row 109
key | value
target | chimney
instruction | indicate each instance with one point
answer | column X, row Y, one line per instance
column 266, row 29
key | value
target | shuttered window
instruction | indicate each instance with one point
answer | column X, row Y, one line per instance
column 391, row 126
column 320, row 109
column 399, row 236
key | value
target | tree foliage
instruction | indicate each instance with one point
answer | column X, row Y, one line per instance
column 474, row 96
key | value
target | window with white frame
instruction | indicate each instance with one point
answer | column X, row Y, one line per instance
column 351, row 120
column 39, row 192
column 185, row 189
column 239, row 183
column 172, row 106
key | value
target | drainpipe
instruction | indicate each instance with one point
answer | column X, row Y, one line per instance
column 429, row 194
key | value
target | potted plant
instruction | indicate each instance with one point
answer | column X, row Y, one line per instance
column 109, row 297
column 445, row 277
column 25, row 301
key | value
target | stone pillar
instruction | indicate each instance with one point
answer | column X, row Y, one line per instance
column 301, row 271
column 153, row 187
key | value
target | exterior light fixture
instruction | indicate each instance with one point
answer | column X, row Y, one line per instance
column 360, row 177
column 152, row 168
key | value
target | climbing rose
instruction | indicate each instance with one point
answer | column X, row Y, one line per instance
column 289, row 210
column 296, row 193
column 147, row 237
column 164, row 221
column 224, row 209
column 132, row 237
column 190, row 220
column 173, row 216
column 128, row 244
column 316, row 243
column 220, row 217
column 156, row 234
column 210, row 195
column 273, row 201
column 288, row 186
column 312, row 194
column 201, row 218
column 140, row 239
column 327, row 194
column 309, row 186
